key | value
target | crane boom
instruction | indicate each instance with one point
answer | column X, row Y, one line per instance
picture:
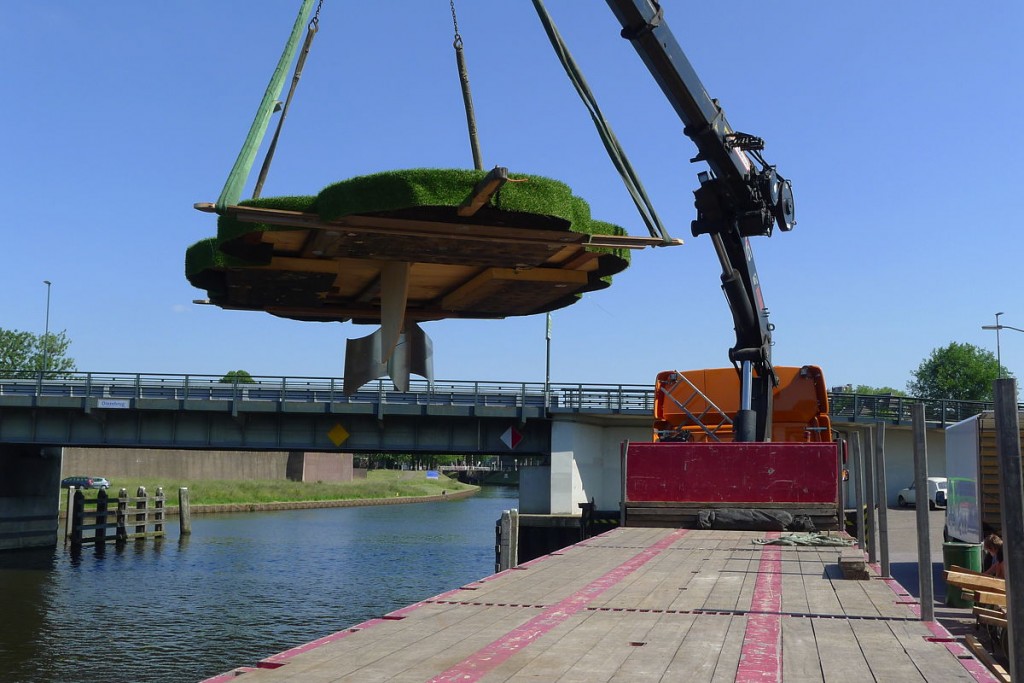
column 741, row 196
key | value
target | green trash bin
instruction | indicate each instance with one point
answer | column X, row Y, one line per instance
column 966, row 555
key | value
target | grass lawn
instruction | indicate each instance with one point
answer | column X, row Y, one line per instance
column 378, row 484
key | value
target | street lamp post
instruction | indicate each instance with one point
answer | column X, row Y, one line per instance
column 998, row 327
column 46, row 330
column 547, row 363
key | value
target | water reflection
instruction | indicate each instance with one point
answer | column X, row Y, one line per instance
column 242, row 587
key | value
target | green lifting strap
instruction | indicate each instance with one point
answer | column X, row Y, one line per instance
column 232, row 191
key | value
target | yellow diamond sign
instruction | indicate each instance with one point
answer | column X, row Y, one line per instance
column 338, row 435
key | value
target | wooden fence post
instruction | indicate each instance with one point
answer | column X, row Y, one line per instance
column 184, row 512
column 67, row 513
column 158, row 525
column 100, row 534
column 140, row 506
column 77, row 517
column 122, row 516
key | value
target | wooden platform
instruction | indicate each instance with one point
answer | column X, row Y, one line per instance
column 641, row 604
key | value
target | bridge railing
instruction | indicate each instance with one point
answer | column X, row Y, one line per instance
column 155, row 386
column 597, row 398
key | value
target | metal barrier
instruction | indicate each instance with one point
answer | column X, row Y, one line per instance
column 556, row 398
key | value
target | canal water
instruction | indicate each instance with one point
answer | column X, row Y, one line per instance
column 240, row 588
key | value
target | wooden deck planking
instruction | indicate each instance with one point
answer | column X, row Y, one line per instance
column 800, row 660
column 646, row 623
column 884, row 654
column 591, row 650
column 821, row 598
column 794, row 598
column 729, row 657
column 911, row 635
column 650, row 661
column 697, row 658
column 839, row 652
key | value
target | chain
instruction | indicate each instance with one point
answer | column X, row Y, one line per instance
column 455, row 22
column 314, row 23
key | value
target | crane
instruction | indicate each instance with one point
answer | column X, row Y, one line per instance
column 739, row 197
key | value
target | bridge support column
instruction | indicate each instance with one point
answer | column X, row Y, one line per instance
column 584, row 465
column 29, row 496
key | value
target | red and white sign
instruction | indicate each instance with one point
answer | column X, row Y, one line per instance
column 511, row 438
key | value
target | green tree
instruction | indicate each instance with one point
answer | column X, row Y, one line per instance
column 865, row 389
column 23, row 354
column 239, row 376
column 960, row 372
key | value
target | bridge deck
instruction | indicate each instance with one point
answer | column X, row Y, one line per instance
column 646, row 604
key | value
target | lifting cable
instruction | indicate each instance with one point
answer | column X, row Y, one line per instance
column 311, row 29
column 611, row 144
column 232, row 191
column 467, row 96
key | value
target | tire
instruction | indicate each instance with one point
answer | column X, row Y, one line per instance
column 932, row 505
column 901, row 502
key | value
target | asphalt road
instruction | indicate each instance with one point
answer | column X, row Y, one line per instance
column 903, row 558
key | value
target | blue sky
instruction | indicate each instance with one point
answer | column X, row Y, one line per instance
column 897, row 123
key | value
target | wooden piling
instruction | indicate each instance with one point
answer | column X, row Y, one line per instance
column 100, row 533
column 122, row 516
column 158, row 518
column 67, row 514
column 77, row 519
column 184, row 512
column 141, row 505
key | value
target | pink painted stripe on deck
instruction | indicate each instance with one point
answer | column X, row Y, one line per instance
column 975, row 668
column 760, row 657
column 485, row 660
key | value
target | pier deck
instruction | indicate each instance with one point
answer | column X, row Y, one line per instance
column 646, row 605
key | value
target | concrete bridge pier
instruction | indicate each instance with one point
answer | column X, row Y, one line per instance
column 29, row 496
column 585, row 466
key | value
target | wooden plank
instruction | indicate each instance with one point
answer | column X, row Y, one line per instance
column 650, row 662
column 990, row 598
column 990, row 616
column 794, row 599
column 426, row 228
column 883, row 653
column 469, row 294
column 979, row 651
column 933, row 660
column 841, row 658
column 729, row 657
column 821, row 596
column 697, row 657
column 560, row 651
column 483, row 191
column 800, row 660
column 974, row 581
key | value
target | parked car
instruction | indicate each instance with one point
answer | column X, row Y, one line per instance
column 84, row 482
column 936, row 494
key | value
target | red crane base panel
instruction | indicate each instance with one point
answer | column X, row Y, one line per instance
column 732, row 472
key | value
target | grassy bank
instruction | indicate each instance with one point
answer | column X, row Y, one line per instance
column 378, row 484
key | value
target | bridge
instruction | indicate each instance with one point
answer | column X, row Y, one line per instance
column 576, row 428
column 200, row 411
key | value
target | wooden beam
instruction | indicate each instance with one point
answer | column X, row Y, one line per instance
column 404, row 227
column 990, row 616
column 483, row 191
column 990, row 598
column 979, row 651
column 973, row 581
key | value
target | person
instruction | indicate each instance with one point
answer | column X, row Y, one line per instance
column 993, row 546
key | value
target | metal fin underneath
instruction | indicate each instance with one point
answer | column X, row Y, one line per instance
column 365, row 360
